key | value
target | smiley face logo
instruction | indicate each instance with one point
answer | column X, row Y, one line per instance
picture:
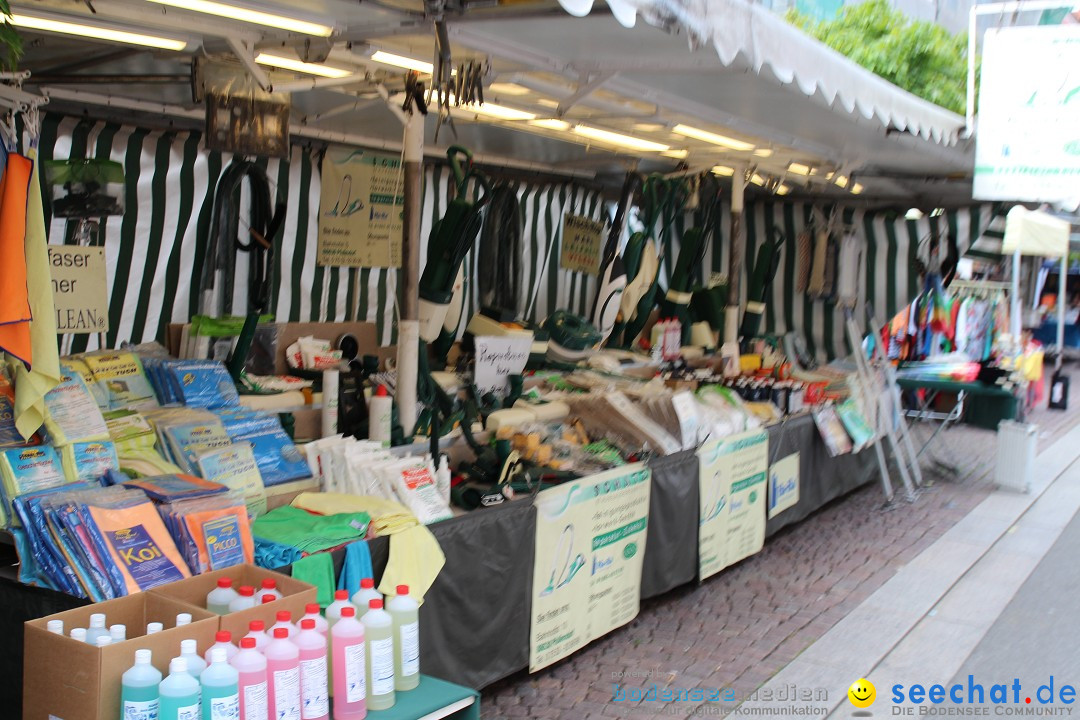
column 862, row 693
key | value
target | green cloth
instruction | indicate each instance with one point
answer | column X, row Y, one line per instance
column 317, row 570
column 309, row 533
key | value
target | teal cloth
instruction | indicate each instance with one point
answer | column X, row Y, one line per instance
column 357, row 567
column 309, row 533
column 317, row 570
column 272, row 555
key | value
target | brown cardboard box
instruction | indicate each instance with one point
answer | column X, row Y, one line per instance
column 69, row 680
column 193, row 591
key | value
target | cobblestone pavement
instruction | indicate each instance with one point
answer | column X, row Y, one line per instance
column 740, row 627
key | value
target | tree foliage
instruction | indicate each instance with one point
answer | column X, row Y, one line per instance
column 919, row 56
column 11, row 46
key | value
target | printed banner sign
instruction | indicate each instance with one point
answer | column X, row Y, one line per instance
column 1027, row 147
column 360, row 209
column 582, row 243
column 80, row 289
column 732, row 500
column 783, row 484
column 590, row 544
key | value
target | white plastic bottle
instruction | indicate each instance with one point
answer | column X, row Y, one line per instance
column 220, row 688
column 97, row 628
column 139, row 695
column 257, row 632
column 380, row 410
column 118, row 633
column 190, row 653
column 405, row 613
column 104, row 640
column 245, row 598
column 267, row 598
column 179, row 693
column 363, row 597
column 284, row 620
column 78, row 634
column 333, row 610
column 314, row 683
column 219, row 599
column 154, row 627
column 379, row 656
column 269, row 587
column 183, row 619
column 251, row 666
column 442, row 479
column 56, row 627
column 222, row 641
column 311, row 612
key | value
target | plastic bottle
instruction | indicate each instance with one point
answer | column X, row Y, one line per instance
column 311, row 612
column 183, row 619
column 223, row 641
column 331, row 377
column 219, row 599
column 179, row 693
column 56, row 627
column 139, row 697
column 269, row 587
column 283, row 676
column 78, row 634
column 251, row 667
column 154, row 627
column 380, row 410
column 333, row 610
column 442, row 479
column 405, row 613
column 118, row 633
column 220, row 688
column 347, row 651
column 314, row 685
column 104, row 640
column 363, row 597
column 379, row 656
column 257, row 632
column 97, row 628
column 267, row 598
column 245, row 598
column 284, row 620
column 190, row 653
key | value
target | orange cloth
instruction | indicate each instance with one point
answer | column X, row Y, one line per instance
column 14, row 296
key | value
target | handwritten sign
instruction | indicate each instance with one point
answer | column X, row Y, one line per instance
column 582, row 240
column 80, row 293
column 360, row 209
column 497, row 358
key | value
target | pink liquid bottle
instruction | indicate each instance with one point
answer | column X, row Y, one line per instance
column 350, row 686
column 314, row 695
column 257, row 632
column 311, row 612
column 283, row 676
column 251, row 665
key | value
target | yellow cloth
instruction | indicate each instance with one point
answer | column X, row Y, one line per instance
column 415, row 560
column 387, row 517
column 31, row 385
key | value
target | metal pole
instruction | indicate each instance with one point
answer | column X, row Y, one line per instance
column 1014, row 322
column 973, row 43
column 1063, row 277
column 409, row 326
column 729, row 351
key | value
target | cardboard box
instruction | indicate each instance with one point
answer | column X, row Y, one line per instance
column 64, row 679
column 192, row 594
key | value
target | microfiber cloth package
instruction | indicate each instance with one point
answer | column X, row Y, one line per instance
column 71, row 411
column 171, row 488
column 310, row 533
column 88, row 460
column 277, row 456
column 123, row 377
column 26, row 470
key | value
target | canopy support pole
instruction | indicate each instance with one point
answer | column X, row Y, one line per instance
column 1063, row 277
column 729, row 352
column 1014, row 319
column 409, row 326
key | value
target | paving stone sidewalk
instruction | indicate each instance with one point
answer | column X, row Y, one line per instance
column 740, row 627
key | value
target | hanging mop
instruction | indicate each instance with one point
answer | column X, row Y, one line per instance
column 692, row 246
column 760, row 285
column 612, row 274
column 642, row 258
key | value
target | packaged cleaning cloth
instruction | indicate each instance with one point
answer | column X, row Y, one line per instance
column 212, row 533
column 135, row 439
column 71, row 411
column 172, row 488
column 124, row 380
column 88, row 460
column 97, row 390
column 277, row 456
column 187, row 441
column 196, row 383
column 235, row 467
column 26, row 470
column 413, row 481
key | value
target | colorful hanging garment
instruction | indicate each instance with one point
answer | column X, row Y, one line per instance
column 14, row 298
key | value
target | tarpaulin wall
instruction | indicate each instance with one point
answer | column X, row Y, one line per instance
column 155, row 250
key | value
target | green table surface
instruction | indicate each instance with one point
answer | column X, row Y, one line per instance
column 972, row 388
column 428, row 698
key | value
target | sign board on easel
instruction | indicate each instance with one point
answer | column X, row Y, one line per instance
column 80, row 289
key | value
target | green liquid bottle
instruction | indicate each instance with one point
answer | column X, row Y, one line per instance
column 405, row 612
column 379, row 648
column 139, row 697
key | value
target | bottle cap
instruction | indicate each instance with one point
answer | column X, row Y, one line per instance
column 348, row 611
column 380, row 391
column 247, row 643
column 256, row 626
column 247, row 591
column 367, row 583
column 375, row 604
column 154, row 627
column 308, row 624
column 183, row 619
column 188, row 647
column 268, row 598
column 103, row 640
column 178, row 665
column 224, row 582
column 284, row 616
column 269, row 584
column 118, row 632
column 97, row 620
column 341, row 595
column 142, row 657
column 281, row 633
column 312, row 608
column 79, row 634
column 218, row 655
column 402, row 589
column 223, row 636
column 56, row 626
